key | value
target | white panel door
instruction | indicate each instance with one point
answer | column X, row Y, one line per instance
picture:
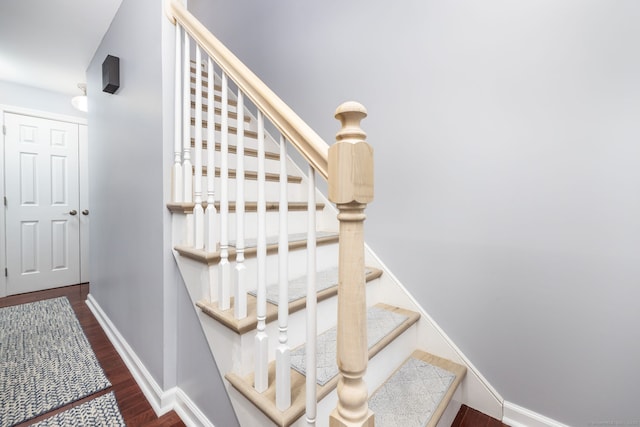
column 42, row 214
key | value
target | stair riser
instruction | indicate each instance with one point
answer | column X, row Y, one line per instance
column 296, row 192
column 326, row 258
column 247, row 413
column 250, row 142
column 250, row 162
column 297, row 224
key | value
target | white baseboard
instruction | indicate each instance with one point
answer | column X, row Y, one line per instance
column 517, row 416
column 161, row 401
column 189, row 412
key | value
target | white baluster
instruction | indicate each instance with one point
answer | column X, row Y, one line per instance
column 176, row 172
column 240, row 297
column 187, row 167
column 283, row 353
column 210, row 213
column 198, row 212
column 312, row 320
column 261, row 381
column 224, row 283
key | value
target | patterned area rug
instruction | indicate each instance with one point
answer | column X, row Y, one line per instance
column 45, row 360
column 101, row 411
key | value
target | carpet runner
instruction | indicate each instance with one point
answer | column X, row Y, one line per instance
column 101, row 411
column 46, row 360
column 380, row 322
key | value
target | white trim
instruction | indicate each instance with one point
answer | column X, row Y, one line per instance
column 517, row 416
column 3, row 225
column 43, row 114
column 161, row 401
column 188, row 411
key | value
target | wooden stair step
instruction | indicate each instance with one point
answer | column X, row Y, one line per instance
column 205, row 83
column 296, row 241
column 232, row 129
column 428, row 383
column 205, row 74
column 216, row 98
column 253, row 176
column 250, row 152
column 187, row 207
column 266, row 401
column 218, row 111
column 326, row 289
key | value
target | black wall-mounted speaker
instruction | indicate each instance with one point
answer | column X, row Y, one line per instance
column 111, row 74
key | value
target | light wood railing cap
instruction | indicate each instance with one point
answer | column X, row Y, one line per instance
column 350, row 115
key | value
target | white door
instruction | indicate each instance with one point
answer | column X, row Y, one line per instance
column 42, row 213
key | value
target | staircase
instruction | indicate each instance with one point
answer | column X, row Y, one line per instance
column 276, row 272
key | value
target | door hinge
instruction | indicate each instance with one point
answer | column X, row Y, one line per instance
column 4, row 129
column 6, row 272
column 5, row 200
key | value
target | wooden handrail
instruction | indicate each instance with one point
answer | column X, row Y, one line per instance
column 314, row 149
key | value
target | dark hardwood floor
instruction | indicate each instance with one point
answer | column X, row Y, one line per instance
column 134, row 407
column 469, row 417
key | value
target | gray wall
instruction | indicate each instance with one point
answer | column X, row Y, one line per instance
column 506, row 137
column 126, row 172
column 134, row 277
column 18, row 95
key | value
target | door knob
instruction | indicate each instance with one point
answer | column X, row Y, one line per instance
column 85, row 212
column 73, row 212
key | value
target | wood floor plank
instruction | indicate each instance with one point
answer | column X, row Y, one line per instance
column 134, row 407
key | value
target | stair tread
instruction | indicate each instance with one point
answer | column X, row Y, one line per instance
column 218, row 112
column 418, row 392
column 265, row 401
column 253, row 175
column 233, row 130
column 325, row 286
column 187, row 207
column 296, row 241
column 251, row 152
column 380, row 323
column 298, row 287
column 216, row 97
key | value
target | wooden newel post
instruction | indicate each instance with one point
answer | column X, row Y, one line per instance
column 351, row 188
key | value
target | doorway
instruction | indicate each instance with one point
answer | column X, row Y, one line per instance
column 46, row 212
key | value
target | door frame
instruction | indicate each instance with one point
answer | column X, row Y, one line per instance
column 82, row 178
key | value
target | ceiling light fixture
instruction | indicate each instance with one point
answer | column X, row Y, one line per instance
column 80, row 102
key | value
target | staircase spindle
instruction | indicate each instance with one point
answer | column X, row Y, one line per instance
column 176, row 171
column 210, row 213
column 312, row 299
column 198, row 212
column 261, row 381
column 224, row 282
column 187, row 167
column 283, row 353
column 240, row 297
column 351, row 192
